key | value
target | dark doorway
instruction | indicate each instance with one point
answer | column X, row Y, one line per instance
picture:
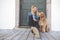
column 25, row 6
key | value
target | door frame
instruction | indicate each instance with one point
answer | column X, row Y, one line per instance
column 17, row 11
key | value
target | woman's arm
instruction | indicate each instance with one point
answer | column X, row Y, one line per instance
column 34, row 18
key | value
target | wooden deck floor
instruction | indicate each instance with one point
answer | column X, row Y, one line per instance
column 25, row 34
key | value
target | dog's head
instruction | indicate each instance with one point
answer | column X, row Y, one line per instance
column 41, row 15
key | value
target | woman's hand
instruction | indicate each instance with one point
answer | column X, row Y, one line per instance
column 35, row 20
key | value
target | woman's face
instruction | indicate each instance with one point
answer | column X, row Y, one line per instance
column 35, row 9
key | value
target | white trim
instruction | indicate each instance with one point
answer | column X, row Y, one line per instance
column 48, row 10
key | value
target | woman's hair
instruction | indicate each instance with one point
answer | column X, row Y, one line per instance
column 32, row 9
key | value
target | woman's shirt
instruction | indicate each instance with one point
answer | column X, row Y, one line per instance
column 35, row 17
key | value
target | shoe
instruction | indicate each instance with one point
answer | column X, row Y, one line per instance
column 32, row 32
column 37, row 36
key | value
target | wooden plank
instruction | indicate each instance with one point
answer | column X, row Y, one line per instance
column 36, row 38
column 52, row 35
column 11, row 36
column 30, row 36
column 43, row 36
column 24, row 35
column 14, row 34
column 49, row 36
column 56, row 35
column 6, row 33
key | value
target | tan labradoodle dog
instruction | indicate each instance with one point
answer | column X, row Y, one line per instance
column 43, row 22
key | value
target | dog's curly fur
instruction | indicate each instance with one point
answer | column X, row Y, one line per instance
column 43, row 22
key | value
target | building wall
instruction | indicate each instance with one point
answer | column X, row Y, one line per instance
column 7, row 14
column 17, row 13
column 55, row 15
column 48, row 11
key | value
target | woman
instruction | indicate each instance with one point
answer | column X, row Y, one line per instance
column 33, row 21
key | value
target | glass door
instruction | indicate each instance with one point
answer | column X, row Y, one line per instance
column 25, row 6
